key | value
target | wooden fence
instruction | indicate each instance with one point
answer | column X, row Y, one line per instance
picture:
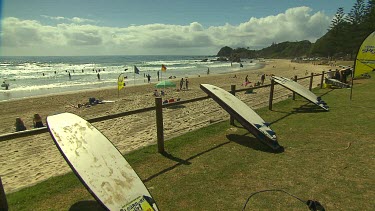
column 159, row 117
column 159, row 111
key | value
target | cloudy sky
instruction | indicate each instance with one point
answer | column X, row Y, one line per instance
column 158, row 27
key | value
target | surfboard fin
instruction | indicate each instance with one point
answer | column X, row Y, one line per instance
column 322, row 102
column 271, row 132
column 258, row 126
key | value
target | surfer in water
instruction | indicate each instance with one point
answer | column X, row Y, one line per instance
column 5, row 84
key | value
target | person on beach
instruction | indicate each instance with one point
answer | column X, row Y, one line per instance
column 37, row 121
column 156, row 93
column 246, row 81
column 208, row 70
column 148, row 78
column 181, row 83
column 186, row 84
column 158, row 75
column 262, row 78
column 337, row 75
column 20, row 126
column 98, row 75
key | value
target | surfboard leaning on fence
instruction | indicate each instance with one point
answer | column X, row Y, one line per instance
column 98, row 164
column 301, row 90
column 246, row 116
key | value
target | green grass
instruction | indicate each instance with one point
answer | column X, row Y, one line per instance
column 329, row 157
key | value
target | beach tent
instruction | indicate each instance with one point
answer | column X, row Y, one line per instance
column 165, row 84
column 365, row 59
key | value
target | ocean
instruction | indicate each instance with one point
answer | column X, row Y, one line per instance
column 35, row 76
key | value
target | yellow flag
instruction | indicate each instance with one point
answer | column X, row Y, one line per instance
column 120, row 82
column 365, row 61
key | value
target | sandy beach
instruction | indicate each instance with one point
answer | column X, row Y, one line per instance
column 29, row 160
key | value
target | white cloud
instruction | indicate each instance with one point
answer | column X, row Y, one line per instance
column 76, row 38
column 74, row 19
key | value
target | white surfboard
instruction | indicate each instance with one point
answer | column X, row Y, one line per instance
column 246, row 116
column 301, row 90
column 98, row 164
column 336, row 83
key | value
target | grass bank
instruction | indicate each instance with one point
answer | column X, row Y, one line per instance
column 329, row 157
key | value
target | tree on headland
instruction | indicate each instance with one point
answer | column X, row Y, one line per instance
column 347, row 31
column 342, row 39
column 338, row 32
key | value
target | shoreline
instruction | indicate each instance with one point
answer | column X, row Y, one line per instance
column 29, row 160
column 27, row 85
column 262, row 65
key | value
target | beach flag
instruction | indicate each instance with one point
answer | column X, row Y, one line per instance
column 136, row 70
column 120, row 82
column 163, row 68
column 365, row 61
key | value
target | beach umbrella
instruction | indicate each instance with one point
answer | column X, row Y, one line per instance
column 165, row 84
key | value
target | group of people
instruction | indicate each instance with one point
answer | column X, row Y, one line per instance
column 340, row 75
column 37, row 123
column 182, row 82
column 156, row 93
column 247, row 82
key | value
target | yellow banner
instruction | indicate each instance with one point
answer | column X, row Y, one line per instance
column 366, row 56
column 120, row 82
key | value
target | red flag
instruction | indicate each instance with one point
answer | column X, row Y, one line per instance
column 163, row 68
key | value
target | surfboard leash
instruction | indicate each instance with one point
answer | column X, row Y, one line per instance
column 312, row 204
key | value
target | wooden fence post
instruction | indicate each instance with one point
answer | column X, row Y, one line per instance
column 294, row 94
column 3, row 198
column 322, row 80
column 311, row 81
column 271, row 94
column 159, row 124
column 233, row 91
